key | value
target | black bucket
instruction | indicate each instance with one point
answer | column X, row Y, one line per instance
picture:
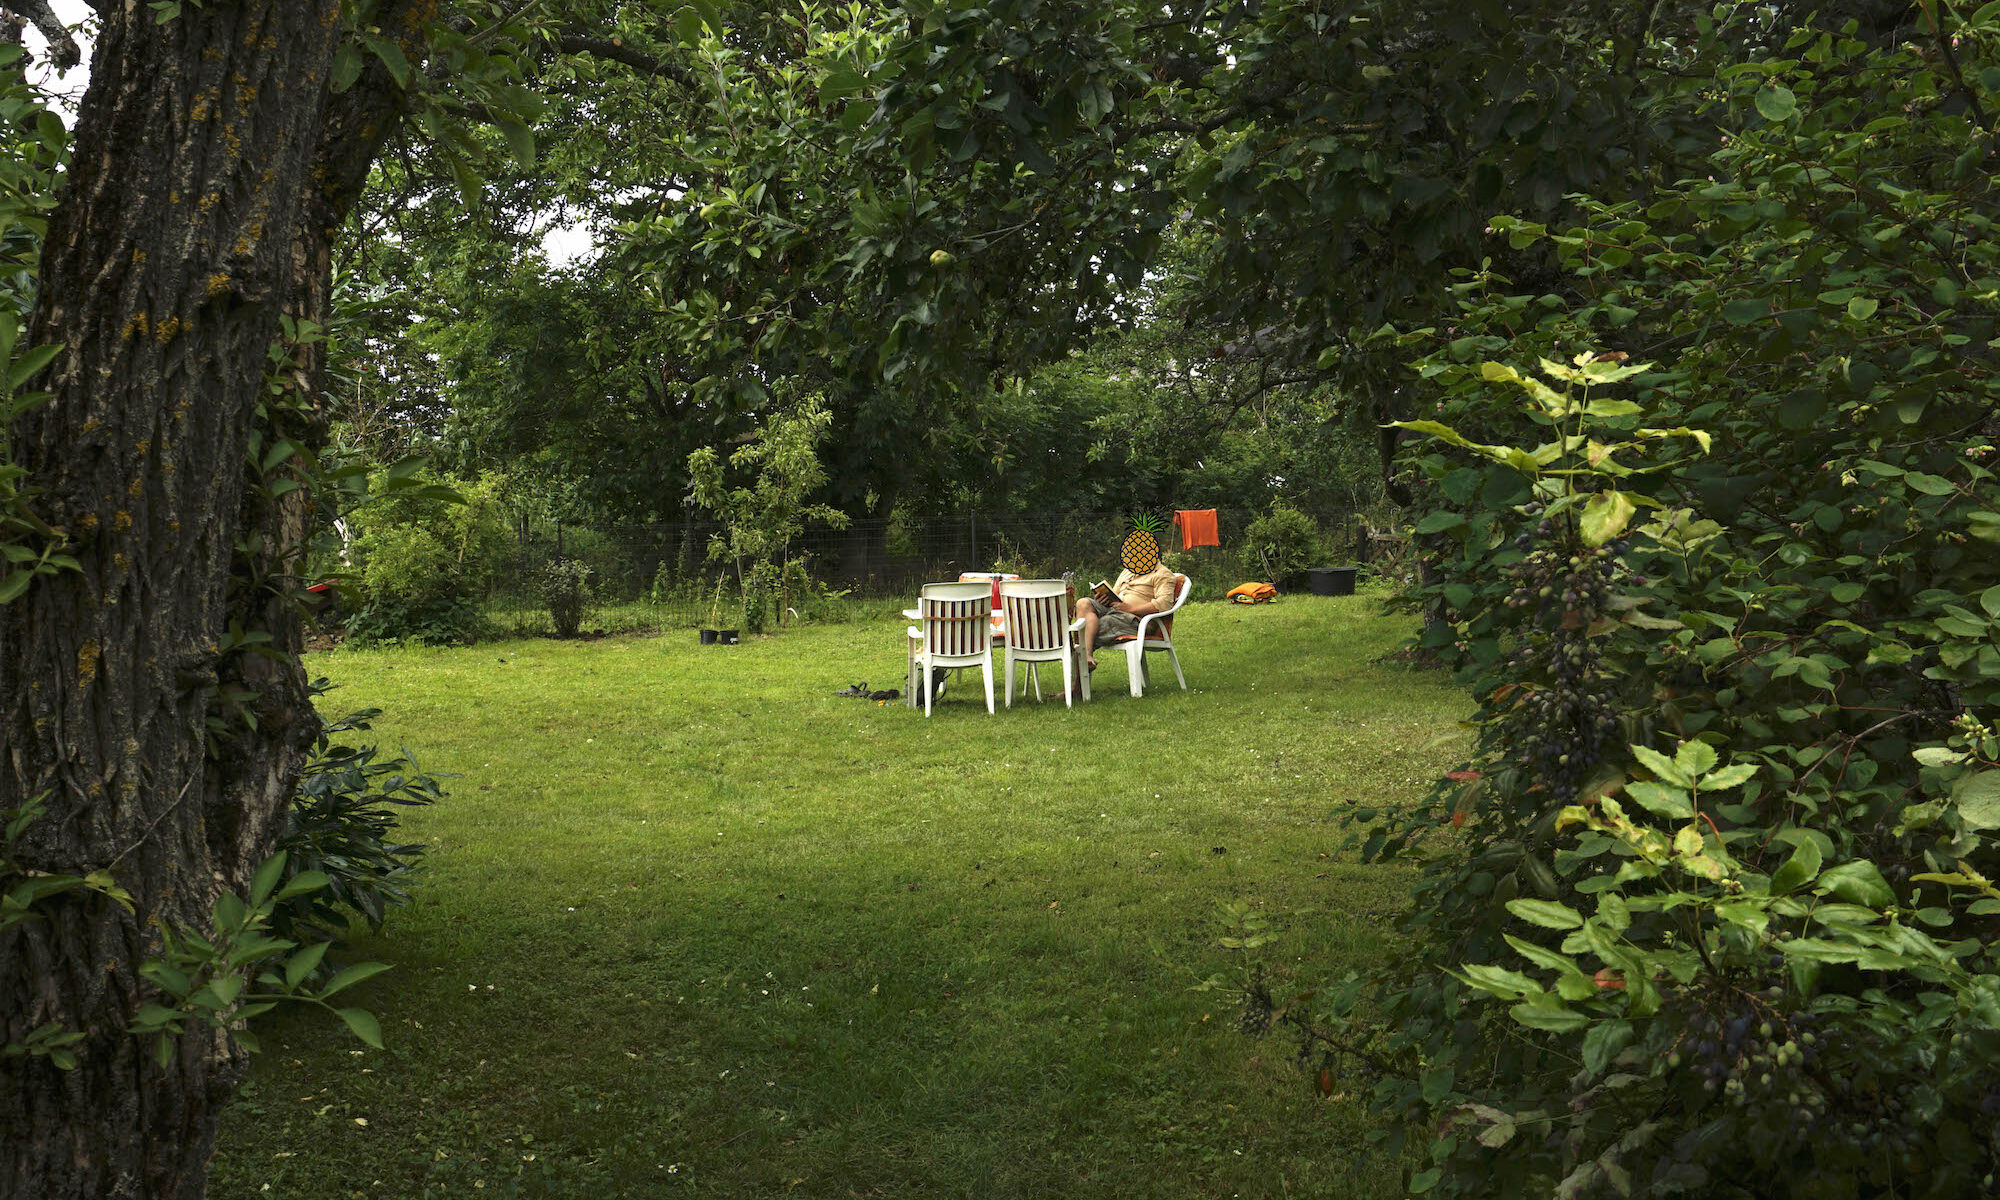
column 1331, row 581
column 708, row 637
column 728, row 636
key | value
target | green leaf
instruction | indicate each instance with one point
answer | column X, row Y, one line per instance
column 1549, row 1013
column 1862, row 307
column 392, row 56
column 709, row 15
column 1978, row 800
column 304, row 963
column 1820, row 950
column 364, row 1025
column 1546, row 913
column 1662, row 766
column 346, row 66
column 1606, row 516
column 351, row 976
column 1929, row 485
column 1858, row 882
column 1777, row 104
column 303, row 882
column 266, row 878
column 1990, row 600
column 1499, row 981
column 1436, row 1083
column 1746, row 309
column 1661, row 799
column 1440, row 521
column 520, row 142
column 1694, row 758
column 28, row 365
column 1728, row 777
column 1611, row 408
column 1603, row 1042
column 1800, row 869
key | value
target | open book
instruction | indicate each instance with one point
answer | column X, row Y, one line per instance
column 1102, row 593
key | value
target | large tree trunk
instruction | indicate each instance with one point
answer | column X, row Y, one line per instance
column 209, row 171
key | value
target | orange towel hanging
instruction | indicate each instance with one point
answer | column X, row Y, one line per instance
column 1197, row 527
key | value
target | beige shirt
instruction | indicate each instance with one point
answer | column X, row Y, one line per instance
column 1157, row 587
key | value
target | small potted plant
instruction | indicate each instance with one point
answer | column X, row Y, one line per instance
column 714, row 634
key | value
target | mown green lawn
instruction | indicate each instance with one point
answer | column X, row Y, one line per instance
column 693, row 925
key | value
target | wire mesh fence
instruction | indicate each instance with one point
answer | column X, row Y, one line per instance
column 662, row 575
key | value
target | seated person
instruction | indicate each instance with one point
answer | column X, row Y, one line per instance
column 1144, row 587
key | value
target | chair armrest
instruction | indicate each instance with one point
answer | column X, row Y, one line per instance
column 914, row 614
column 916, row 634
column 1076, row 626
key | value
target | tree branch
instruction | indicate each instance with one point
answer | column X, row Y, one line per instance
column 63, row 49
column 575, row 42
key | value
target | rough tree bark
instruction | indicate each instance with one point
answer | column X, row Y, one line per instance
column 211, row 167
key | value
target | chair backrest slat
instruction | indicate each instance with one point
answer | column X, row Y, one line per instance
column 957, row 618
column 1037, row 613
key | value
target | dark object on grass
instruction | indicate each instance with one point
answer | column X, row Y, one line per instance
column 726, row 637
column 1331, row 581
column 860, row 691
column 708, row 637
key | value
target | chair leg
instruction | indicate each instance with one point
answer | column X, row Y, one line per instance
column 910, row 688
column 1009, row 656
column 1176, row 660
column 1069, row 681
column 1035, row 673
column 986, row 673
column 930, row 691
column 1135, row 667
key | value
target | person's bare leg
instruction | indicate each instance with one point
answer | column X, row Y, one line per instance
column 1088, row 611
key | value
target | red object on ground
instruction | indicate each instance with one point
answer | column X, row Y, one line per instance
column 1197, row 527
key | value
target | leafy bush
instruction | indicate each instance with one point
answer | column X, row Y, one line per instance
column 341, row 823
column 564, row 585
column 1284, row 538
column 1724, row 853
column 424, row 561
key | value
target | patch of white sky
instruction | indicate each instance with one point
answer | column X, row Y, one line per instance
column 65, row 89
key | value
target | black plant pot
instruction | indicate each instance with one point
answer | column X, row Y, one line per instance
column 708, row 637
column 726, row 636
column 1331, row 581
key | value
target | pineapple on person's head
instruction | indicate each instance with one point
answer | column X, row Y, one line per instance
column 1141, row 552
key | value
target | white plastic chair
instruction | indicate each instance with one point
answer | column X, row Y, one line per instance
column 1040, row 629
column 1155, row 636
column 955, row 630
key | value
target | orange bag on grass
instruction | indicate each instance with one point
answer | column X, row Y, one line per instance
column 1252, row 593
